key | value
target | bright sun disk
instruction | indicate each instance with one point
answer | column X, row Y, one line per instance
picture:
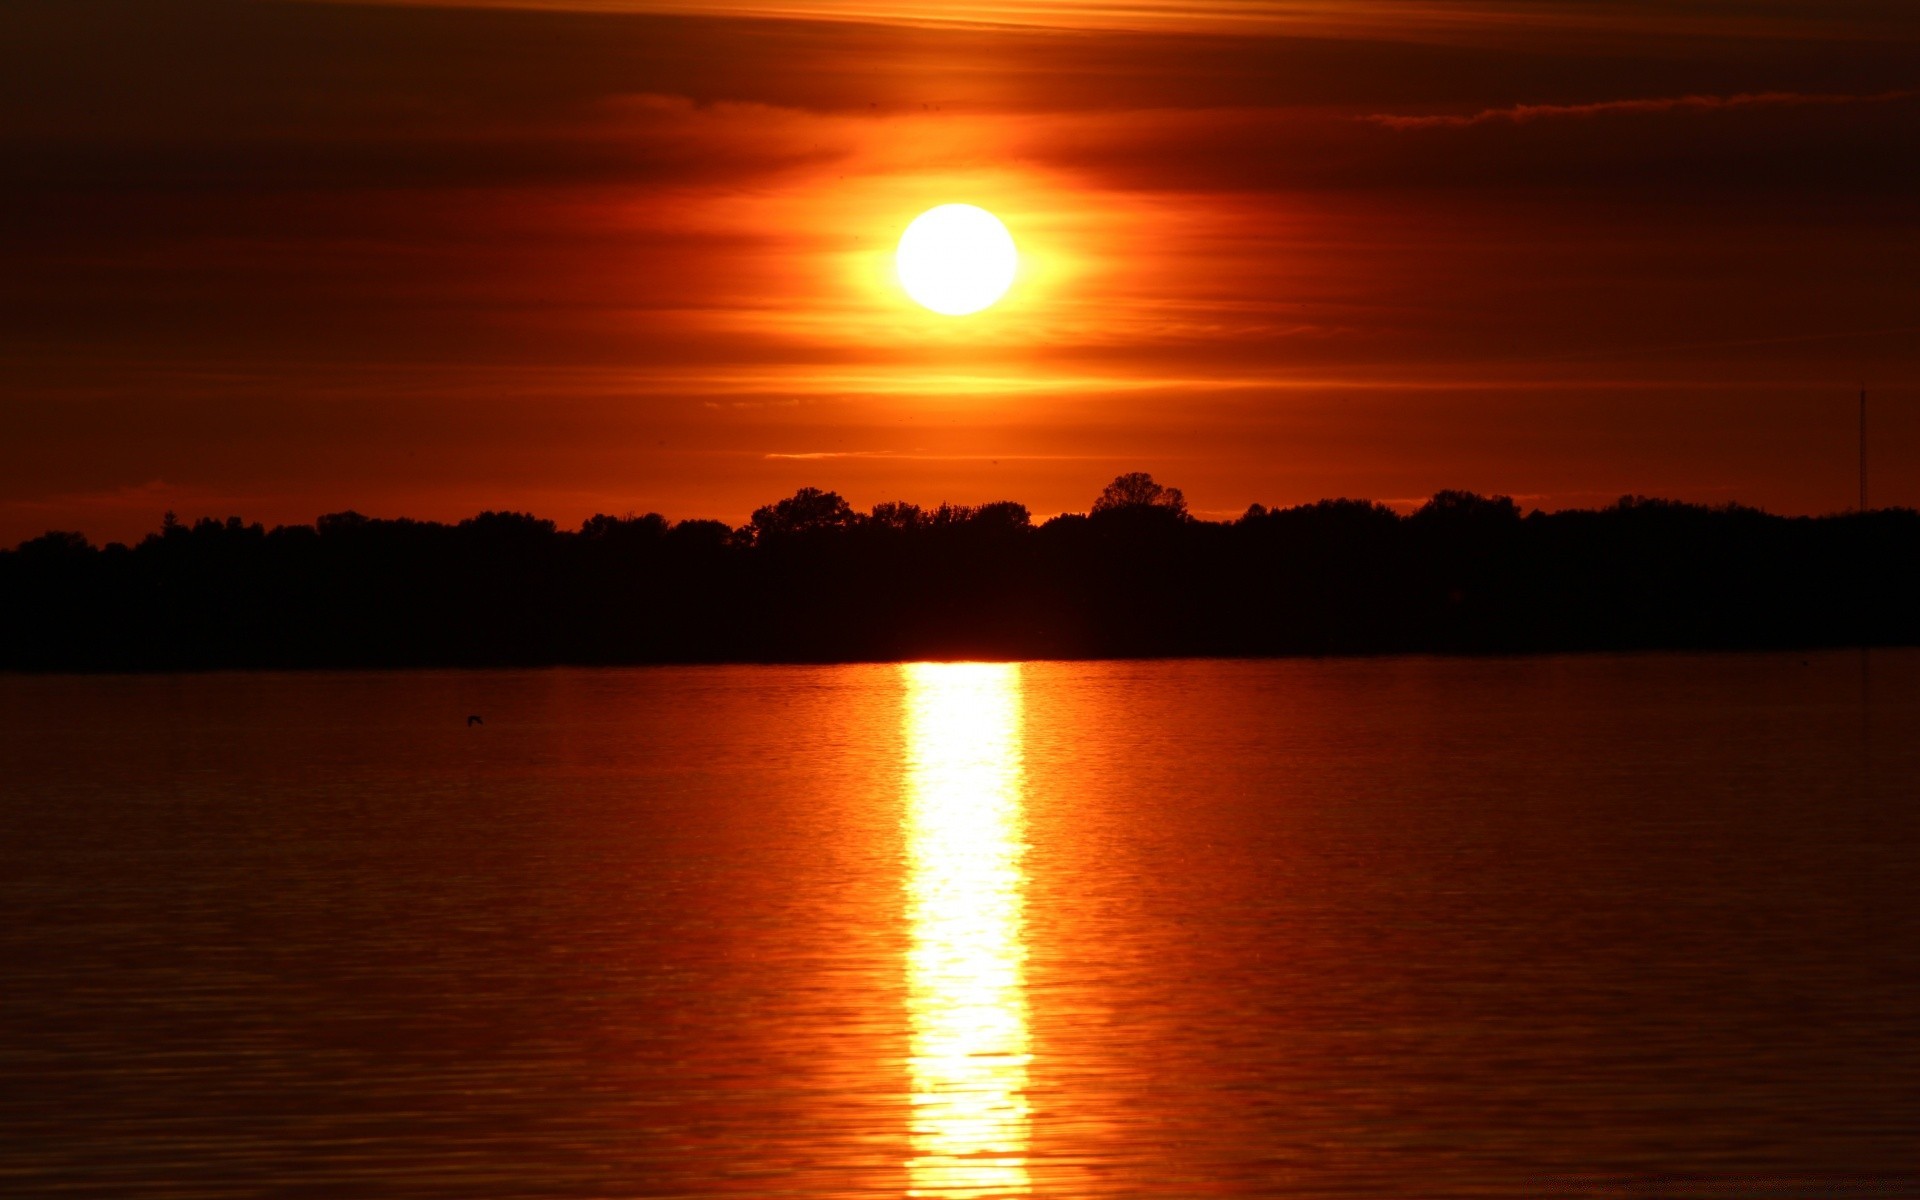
column 956, row 259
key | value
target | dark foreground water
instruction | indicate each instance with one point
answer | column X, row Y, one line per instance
column 1577, row 926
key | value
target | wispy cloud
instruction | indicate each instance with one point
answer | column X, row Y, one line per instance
column 1397, row 19
column 1520, row 114
column 916, row 456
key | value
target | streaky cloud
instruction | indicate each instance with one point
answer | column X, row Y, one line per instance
column 1520, row 114
column 1438, row 20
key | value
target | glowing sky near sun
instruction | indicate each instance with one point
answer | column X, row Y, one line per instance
column 282, row 259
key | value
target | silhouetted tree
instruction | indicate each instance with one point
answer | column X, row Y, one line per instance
column 628, row 529
column 1463, row 508
column 1136, row 490
column 897, row 514
column 710, row 535
column 508, row 525
column 1003, row 514
column 55, row 545
column 806, row 511
column 339, row 523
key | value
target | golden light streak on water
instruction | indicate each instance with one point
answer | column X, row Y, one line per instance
column 966, row 835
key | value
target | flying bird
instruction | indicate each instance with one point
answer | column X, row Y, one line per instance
column 472, row 721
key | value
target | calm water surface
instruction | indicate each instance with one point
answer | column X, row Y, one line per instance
column 1640, row 925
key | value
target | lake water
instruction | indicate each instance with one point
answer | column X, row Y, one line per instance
column 1612, row 925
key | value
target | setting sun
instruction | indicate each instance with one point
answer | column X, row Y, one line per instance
column 956, row 259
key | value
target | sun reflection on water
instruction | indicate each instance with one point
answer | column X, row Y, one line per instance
column 966, row 835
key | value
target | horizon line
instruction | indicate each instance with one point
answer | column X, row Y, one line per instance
column 1400, row 507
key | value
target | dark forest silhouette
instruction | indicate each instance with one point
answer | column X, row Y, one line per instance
column 811, row 579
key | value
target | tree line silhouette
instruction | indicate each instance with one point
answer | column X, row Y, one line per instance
column 809, row 578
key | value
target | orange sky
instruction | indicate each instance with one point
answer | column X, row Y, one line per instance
column 278, row 259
